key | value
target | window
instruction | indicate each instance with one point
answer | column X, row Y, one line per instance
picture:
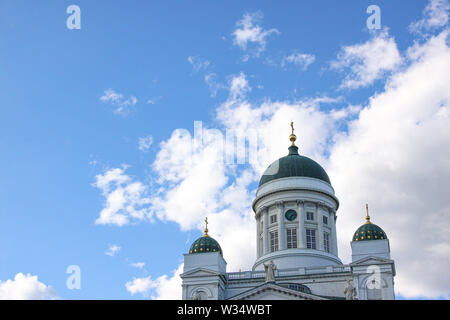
column 291, row 238
column 274, row 241
column 325, row 220
column 310, row 215
column 311, row 238
column 273, row 218
column 326, row 241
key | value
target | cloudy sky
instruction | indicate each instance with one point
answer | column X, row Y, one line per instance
column 113, row 136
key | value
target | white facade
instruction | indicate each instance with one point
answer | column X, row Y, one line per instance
column 295, row 219
column 315, row 206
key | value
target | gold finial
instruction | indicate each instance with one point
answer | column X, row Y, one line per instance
column 206, row 227
column 367, row 214
column 292, row 137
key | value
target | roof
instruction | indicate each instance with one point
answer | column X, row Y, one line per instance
column 294, row 165
column 205, row 244
column 369, row 231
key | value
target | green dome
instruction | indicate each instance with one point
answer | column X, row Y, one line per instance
column 369, row 231
column 205, row 244
column 294, row 165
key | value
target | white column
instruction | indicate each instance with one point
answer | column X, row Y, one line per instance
column 319, row 228
column 258, row 219
column 281, row 229
column 265, row 213
column 333, row 232
column 301, row 233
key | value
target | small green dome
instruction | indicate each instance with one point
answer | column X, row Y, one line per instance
column 369, row 231
column 205, row 244
column 294, row 165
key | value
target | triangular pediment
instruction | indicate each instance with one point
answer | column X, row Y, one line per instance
column 272, row 291
column 200, row 272
column 371, row 260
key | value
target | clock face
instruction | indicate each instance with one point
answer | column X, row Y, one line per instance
column 290, row 215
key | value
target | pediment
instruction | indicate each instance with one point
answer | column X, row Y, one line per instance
column 272, row 291
column 200, row 272
column 371, row 260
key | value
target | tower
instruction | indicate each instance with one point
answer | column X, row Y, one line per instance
column 295, row 211
column 372, row 266
column 204, row 273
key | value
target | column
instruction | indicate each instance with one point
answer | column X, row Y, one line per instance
column 265, row 213
column 258, row 219
column 319, row 227
column 301, row 232
column 333, row 232
column 282, row 245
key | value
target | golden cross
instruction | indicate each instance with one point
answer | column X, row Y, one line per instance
column 367, row 214
column 206, row 226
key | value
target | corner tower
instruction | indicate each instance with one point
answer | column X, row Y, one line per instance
column 295, row 211
column 204, row 272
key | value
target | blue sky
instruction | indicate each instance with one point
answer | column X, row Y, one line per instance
column 154, row 59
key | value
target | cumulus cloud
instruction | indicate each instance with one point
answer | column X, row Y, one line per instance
column 435, row 15
column 125, row 199
column 367, row 62
column 112, row 250
column 303, row 60
column 249, row 32
column 121, row 105
column 145, row 143
column 25, row 287
column 163, row 288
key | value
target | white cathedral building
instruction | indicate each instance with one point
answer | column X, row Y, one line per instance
column 296, row 246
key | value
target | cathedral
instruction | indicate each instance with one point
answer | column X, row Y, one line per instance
column 296, row 246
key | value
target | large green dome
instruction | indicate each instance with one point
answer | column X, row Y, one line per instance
column 294, row 165
column 369, row 231
column 205, row 244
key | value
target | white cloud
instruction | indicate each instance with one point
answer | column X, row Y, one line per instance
column 25, row 287
column 126, row 200
column 122, row 105
column 249, row 31
column 145, row 143
column 198, row 63
column 435, row 15
column 239, row 86
column 138, row 265
column 112, row 250
column 163, row 288
column 303, row 60
column 367, row 62
column 140, row 285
